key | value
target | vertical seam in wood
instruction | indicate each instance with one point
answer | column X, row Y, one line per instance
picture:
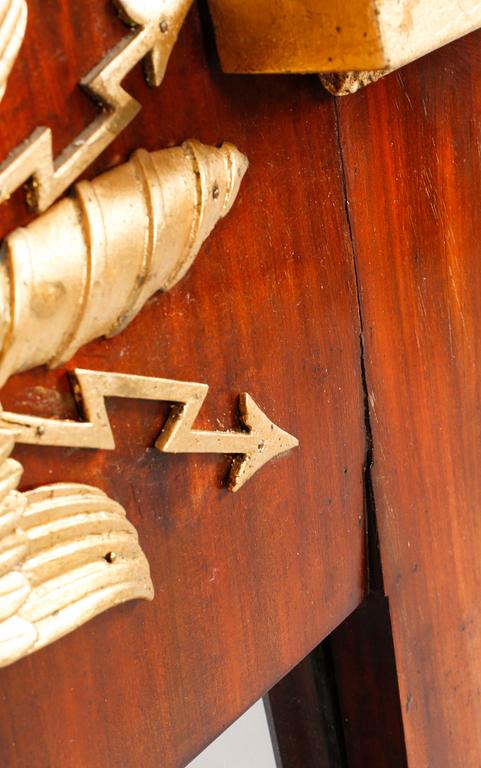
column 374, row 577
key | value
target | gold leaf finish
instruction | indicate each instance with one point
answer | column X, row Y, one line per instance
column 261, row 36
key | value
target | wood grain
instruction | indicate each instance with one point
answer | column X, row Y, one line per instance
column 245, row 585
column 411, row 151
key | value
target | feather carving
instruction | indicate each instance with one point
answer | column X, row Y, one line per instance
column 67, row 553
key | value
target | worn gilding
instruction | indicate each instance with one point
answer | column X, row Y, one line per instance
column 296, row 35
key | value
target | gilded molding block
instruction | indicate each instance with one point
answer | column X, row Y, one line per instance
column 260, row 36
column 13, row 21
column 67, row 553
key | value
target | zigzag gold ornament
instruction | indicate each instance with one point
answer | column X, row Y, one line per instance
column 156, row 24
column 67, row 553
column 253, row 448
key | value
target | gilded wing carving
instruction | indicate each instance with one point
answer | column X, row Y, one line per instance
column 67, row 553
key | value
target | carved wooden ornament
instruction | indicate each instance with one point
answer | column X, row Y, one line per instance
column 81, row 270
column 68, row 552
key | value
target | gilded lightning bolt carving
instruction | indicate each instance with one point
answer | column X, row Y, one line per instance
column 253, row 448
column 155, row 29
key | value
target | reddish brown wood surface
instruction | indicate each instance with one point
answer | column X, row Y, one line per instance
column 245, row 585
column 411, row 151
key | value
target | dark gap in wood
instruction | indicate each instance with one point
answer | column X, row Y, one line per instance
column 366, row 678
column 305, row 716
column 340, row 707
column 272, row 731
column 374, row 578
column 207, row 31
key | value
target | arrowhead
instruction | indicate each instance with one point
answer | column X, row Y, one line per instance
column 271, row 441
column 167, row 18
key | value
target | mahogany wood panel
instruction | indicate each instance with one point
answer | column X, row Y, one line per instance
column 246, row 585
column 411, row 147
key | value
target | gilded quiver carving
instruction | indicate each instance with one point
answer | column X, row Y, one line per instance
column 87, row 266
column 13, row 20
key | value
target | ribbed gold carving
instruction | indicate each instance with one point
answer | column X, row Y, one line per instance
column 13, row 20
